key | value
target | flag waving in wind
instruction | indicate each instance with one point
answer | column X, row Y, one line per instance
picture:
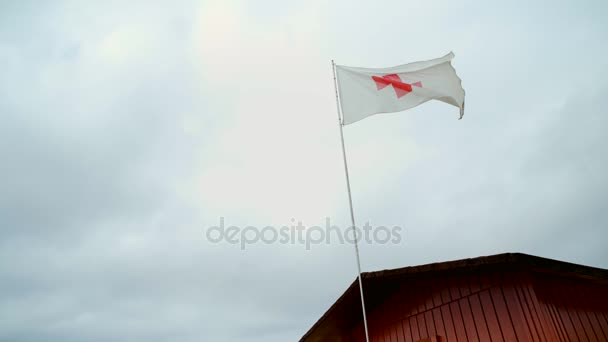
column 362, row 92
column 365, row 92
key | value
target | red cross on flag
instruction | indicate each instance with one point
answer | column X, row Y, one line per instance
column 365, row 92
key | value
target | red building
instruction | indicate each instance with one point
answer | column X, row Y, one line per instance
column 505, row 297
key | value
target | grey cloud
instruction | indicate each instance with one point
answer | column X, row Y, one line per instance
column 101, row 240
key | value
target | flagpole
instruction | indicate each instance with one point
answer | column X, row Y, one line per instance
column 350, row 202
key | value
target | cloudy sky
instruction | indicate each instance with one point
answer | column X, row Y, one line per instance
column 128, row 129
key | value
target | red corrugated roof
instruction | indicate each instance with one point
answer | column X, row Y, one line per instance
column 346, row 311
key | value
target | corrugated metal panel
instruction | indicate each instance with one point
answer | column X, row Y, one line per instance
column 576, row 309
column 499, row 307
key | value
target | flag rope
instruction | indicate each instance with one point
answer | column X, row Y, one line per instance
column 350, row 201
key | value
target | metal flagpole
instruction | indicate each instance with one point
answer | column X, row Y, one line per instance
column 350, row 201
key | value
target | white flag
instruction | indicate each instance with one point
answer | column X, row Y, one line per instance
column 365, row 92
